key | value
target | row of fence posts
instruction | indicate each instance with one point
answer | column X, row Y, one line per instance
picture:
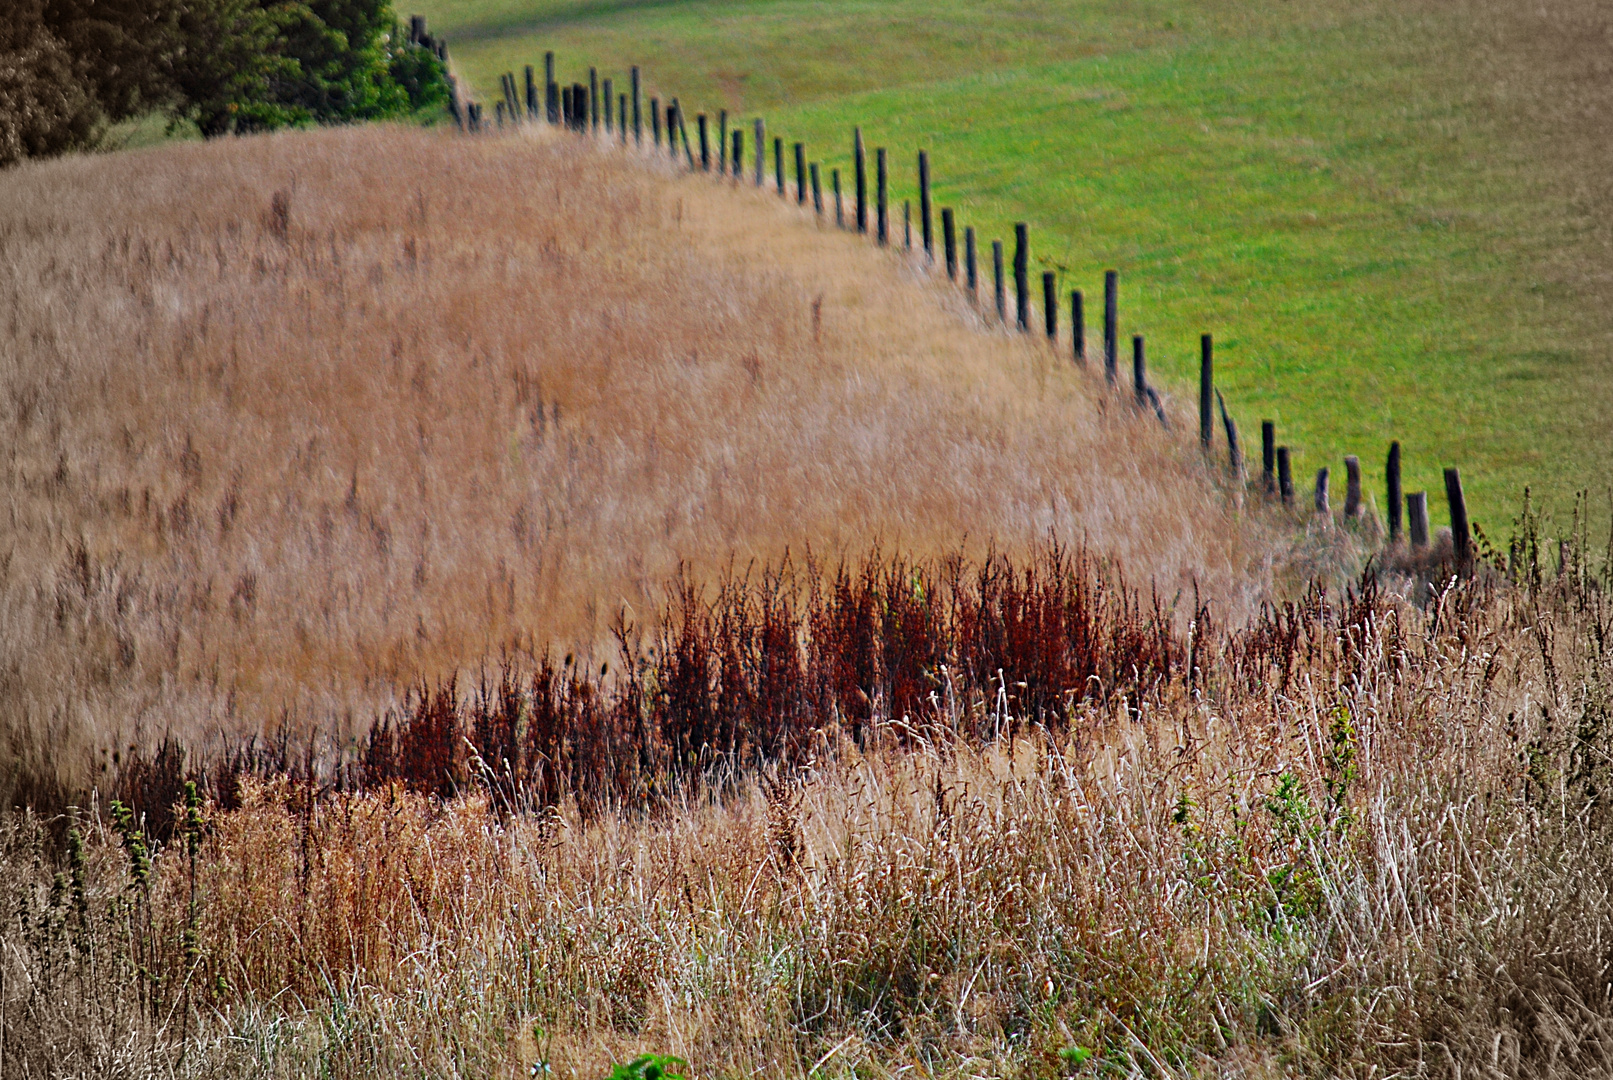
column 587, row 109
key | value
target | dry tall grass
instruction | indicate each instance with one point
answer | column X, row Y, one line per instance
column 291, row 422
column 1356, row 839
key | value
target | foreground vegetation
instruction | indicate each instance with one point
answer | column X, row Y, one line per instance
column 1392, row 216
column 1358, row 837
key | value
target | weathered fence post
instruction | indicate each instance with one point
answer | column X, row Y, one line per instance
column 880, row 206
column 761, row 153
column 738, row 162
column 1461, row 537
column 1139, row 370
column 722, row 142
column 1352, row 487
column 683, row 133
column 1111, row 325
column 840, row 209
column 655, row 121
column 638, row 123
column 778, row 165
column 1022, row 261
column 1391, row 475
column 924, row 203
column 997, row 275
column 621, row 118
column 949, row 242
column 1323, row 507
column 1285, row 476
column 606, row 101
column 1206, row 392
column 800, row 174
column 672, row 122
column 551, row 88
column 1078, row 329
column 593, row 100
column 705, row 148
column 1417, row 513
column 531, row 93
column 971, row 269
column 1050, row 306
column 817, row 192
column 1268, row 457
column 860, row 164
column 579, row 98
column 907, row 225
column 1234, row 450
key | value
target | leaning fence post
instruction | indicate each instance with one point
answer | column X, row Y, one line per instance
column 997, row 276
column 638, row 123
column 1111, row 325
column 1322, row 504
column 1022, row 260
column 949, row 241
column 1050, row 306
column 1461, row 537
column 971, row 270
column 1392, row 481
column 1417, row 513
column 1206, row 392
column 817, row 192
column 1078, row 329
column 1352, row 487
column 1268, row 457
column 1234, row 451
column 800, row 174
column 860, row 164
column 673, row 122
column 1285, row 476
column 883, row 209
column 1139, row 370
column 924, row 203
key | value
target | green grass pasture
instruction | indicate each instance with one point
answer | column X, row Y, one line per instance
column 1389, row 215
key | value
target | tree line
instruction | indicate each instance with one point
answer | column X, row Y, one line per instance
column 69, row 68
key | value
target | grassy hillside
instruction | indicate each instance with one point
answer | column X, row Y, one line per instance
column 1393, row 217
column 290, row 423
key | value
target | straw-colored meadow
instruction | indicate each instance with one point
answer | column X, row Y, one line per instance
column 919, row 710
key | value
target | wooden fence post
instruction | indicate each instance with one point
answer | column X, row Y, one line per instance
column 1206, row 392
column 1139, row 370
column 800, row 174
column 1417, row 513
column 705, row 147
column 551, row 89
column 593, row 100
column 579, row 99
column 1050, row 306
column 1323, row 506
column 1285, row 476
column 997, row 276
column 860, row 164
column 949, row 242
column 881, row 205
column 722, row 142
column 1111, row 325
column 1268, row 457
column 1391, row 475
column 672, row 122
column 1352, row 487
column 655, row 121
column 924, row 203
column 971, row 269
column 761, row 153
column 565, row 107
column 638, row 123
column 1461, row 536
column 683, row 133
column 840, row 209
column 1022, row 262
column 1078, row 329
column 907, row 225
column 817, row 192
column 1234, row 451
column 606, row 102
column 531, row 93
column 621, row 118
column 737, row 168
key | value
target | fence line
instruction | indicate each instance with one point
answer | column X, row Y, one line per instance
column 578, row 109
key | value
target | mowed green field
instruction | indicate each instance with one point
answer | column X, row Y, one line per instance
column 1392, row 216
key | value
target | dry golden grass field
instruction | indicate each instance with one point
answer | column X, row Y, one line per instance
column 463, row 399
